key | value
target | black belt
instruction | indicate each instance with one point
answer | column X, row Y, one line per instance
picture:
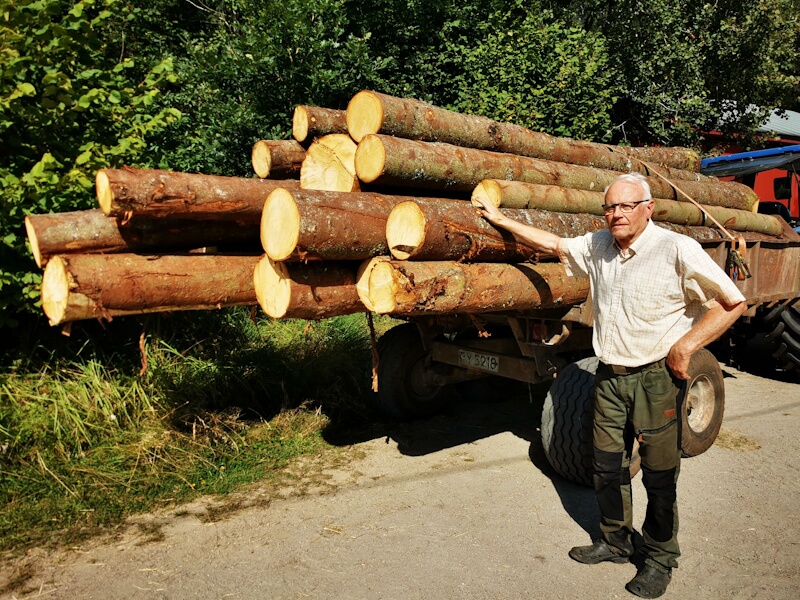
column 621, row 370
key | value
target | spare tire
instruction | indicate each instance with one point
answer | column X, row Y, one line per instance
column 567, row 423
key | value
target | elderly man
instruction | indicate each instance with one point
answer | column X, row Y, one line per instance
column 658, row 298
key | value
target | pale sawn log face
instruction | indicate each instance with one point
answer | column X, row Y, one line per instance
column 277, row 159
column 307, row 291
column 78, row 286
column 447, row 287
column 322, row 225
column 310, row 122
column 330, row 165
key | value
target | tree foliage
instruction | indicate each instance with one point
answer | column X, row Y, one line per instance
column 690, row 67
column 67, row 108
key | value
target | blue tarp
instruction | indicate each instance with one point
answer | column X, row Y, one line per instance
column 745, row 163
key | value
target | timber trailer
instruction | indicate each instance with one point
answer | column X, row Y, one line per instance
column 422, row 360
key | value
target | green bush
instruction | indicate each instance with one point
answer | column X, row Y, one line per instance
column 67, row 108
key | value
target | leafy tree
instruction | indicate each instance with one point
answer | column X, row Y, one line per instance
column 67, row 108
column 686, row 65
column 532, row 69
column 244, row 65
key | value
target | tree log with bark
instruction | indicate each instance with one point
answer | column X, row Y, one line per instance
column 391, row 161
column 89, row 286
column 306, row 291
column 314, row 225
column 371, row 112
column 432, row 288
column 155, row 193
column 277, row 159
column 309, row 122
column 426, row 229
column 330, row 165
column 91, row 232
column 516, row 194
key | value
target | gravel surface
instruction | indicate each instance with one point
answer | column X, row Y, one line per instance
column 462, row 505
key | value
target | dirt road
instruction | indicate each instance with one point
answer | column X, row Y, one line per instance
column 464, row 506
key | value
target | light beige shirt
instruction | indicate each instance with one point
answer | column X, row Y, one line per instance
column 647, row 298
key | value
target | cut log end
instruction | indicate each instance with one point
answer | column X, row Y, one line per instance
column 364, row 115
column 489, row 191
column 272, row 286
column 330, row 165
column 370, row 159
column 261, row 158
column 300, row 124
column 383, row 288
column 405, row 230
column 55, row 290
column 33, row 241
column 105, row 197
column 280, row 225
column 362, row 280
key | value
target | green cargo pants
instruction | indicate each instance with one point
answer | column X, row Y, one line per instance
column 643, row 405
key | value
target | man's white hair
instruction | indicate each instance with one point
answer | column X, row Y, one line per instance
column 636, row 178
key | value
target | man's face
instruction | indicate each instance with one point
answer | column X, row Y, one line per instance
column 626, row 227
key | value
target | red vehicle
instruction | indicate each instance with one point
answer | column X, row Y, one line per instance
column 772, row 173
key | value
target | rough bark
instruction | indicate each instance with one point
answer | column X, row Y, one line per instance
column 515, row 194
column 309, row 122
column 320, row 225
column 89, row 286
column 428, row 229
column 392, row 161
column 277, row 159
column 156, row 193
column 430, row 288
column 306, row 291
column 329, row 165
column 91, row 232
column 371, row 112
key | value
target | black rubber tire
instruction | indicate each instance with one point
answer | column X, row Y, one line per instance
column 704, row 405
column 402, row 394
column 776, row 333
column 567, row 423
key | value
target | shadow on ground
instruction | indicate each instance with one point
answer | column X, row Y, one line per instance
column 518, row 411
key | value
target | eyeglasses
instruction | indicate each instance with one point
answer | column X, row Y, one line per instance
column 624, row 207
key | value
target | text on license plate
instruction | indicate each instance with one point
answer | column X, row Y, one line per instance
column 477, row 360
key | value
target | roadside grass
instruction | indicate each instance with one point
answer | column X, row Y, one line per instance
column 154, row 412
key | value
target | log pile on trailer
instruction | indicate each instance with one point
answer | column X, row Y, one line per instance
column 388, row 177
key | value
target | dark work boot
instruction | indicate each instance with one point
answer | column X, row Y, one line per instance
column 649, row 582
column 597, row 553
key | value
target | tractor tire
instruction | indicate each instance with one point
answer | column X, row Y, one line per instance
column 703, row 407
column 567, row 423
column 774, row 334
column 402, row 391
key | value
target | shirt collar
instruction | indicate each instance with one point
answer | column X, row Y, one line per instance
column 640, row 242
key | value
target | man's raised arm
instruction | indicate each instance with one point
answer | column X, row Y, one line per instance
column 543, row 241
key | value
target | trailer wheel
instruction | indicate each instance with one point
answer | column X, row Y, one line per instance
column 567, row 423
column 403, row 392
column 704, row 405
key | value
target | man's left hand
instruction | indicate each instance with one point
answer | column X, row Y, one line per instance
column 678, row 362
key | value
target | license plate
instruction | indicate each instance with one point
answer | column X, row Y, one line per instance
column 478, row 360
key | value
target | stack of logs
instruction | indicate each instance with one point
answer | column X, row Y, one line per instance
column 366, row 210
